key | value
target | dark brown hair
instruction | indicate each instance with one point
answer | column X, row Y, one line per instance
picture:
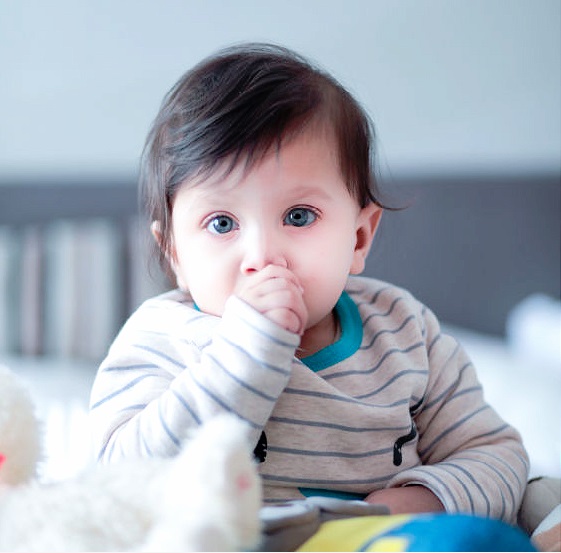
column 235, row 106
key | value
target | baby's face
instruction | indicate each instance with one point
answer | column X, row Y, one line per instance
column 292, row 210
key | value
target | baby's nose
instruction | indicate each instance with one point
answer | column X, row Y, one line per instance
column 262, row 250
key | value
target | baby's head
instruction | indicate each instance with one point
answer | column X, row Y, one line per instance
column 235, row 107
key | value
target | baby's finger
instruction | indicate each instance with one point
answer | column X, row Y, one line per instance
column 274, row 297
column 270, row 273
column 287, row 319
column 274, row 285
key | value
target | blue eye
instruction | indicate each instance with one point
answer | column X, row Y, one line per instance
column 300, row 217
column 221, row 224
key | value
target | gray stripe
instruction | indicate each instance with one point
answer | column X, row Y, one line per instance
column 222, row 404
column 506, row 465
column 284, row 420
column 391, row 381
column 170, row 434
column 362, row 291
column 102, row 452
column 423, row 322
column 345, row 399
column 131, row 384
column 104, row 449
column 242, row 383
column 319, row 483
column 130, row 367
column 186, row 406
column 447, row 391
column 375, row 367
column 430, row 475
column 273, row 339
column 386, row 314
column 134, row 407
column 451, row 429
column 471, row 390
column 433, row 343
column 146, row 447
column 273, row 368
column 497, row 472
column 387, row 331
column 475, row 483
column 466, row 489
column 335, row 454
column 160, row 354
column 491, row 432
column 274, row 500
column 451, row 356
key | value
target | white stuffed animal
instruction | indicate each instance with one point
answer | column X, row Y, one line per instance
column 205, row 499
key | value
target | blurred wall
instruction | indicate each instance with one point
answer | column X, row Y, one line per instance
column 465, row 96
column 452, row 85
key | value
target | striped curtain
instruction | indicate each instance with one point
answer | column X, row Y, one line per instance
column 68, row 286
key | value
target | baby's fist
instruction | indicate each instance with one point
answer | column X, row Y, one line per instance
column 277, row 294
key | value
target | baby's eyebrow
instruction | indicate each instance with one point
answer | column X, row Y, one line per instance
column 311, row 191
column 208, row 194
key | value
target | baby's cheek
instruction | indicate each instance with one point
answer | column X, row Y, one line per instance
column 210, row 299
column 318, row 305
column 321, row 294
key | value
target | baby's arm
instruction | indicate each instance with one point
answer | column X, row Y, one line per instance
column 407, row 499
column 472, row 460
column 172, row 367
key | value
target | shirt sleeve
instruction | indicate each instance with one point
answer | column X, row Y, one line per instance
column 157, row 384
column 471, row 459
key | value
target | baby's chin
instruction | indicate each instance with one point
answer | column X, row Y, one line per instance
column 320, row 321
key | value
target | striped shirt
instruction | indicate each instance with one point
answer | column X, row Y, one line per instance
column 392, row 402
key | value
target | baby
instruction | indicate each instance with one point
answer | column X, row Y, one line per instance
column 257, row 177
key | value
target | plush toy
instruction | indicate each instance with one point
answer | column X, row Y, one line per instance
column 205, row 499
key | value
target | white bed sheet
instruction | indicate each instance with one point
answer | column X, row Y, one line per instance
column 60, row 389
column 524, row 392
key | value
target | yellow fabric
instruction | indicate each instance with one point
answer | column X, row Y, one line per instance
column 352, row 534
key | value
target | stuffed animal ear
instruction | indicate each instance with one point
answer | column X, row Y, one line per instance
column 244, row 481
column 20, row 448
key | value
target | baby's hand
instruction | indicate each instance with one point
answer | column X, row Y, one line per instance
column 276, row 293
column 407, row 499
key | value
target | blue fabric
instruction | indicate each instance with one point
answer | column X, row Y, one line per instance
column 350, row 324
column 456, row 532
column 315, row 492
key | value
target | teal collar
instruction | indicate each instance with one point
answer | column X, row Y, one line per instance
column 349, row 342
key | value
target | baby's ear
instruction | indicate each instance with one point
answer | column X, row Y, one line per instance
column 155, row 229
column 167, row 250
column 367, row 224
column 169, row 254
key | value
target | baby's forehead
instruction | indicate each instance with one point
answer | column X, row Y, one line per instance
column 302, row 157
column 221, row 178
column 236, row 165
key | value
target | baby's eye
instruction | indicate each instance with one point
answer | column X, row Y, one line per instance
column 300, row 217
column 221, row 224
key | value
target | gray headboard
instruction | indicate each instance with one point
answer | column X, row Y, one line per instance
column 472, row 248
